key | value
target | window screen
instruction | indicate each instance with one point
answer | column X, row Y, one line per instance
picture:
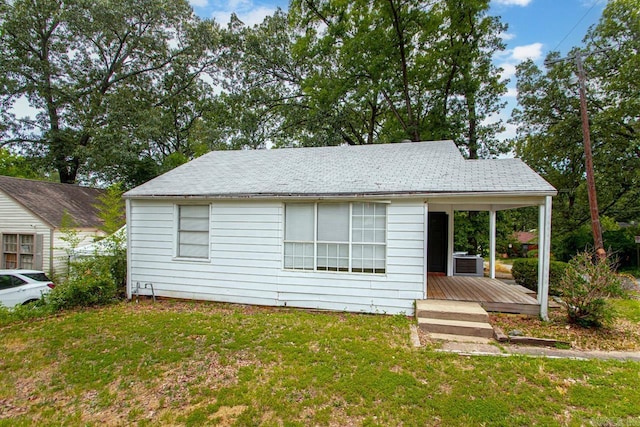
column 193, row 231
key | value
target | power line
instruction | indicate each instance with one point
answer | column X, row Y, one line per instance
column 595, row 2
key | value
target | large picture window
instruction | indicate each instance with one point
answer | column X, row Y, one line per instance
column 336, row 237
column 193, row 231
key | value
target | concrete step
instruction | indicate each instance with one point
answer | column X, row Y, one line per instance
column 451, row 310
column 456, row 327
column 459, row 338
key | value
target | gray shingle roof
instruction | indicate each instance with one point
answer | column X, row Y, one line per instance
column 420, row 168
column 49, row 200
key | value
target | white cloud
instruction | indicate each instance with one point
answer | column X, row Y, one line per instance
column 249, row 17
column 531, row 51
column 508, row 70
column 239, row 4
column 199, row 3
column 506, row 36
column 22, row 108
column 512, row 92
column 246, row 10
column 513, row 2
column 510, row 131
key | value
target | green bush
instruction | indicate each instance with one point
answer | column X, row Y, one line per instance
column 525, row 273
column 91, row 284
column 24, row 312
column 585, row 287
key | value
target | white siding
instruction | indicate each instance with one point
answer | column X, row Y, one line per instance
column 60, row 247
column 245, row 265
column 14, row 218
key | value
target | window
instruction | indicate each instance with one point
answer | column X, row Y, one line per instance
column 8, row 281
column 369, row 237
column 299, row 236
column 336, row 237
column 18, row 251
column 193, row 231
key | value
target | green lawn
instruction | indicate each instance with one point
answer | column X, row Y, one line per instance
column 198, row 363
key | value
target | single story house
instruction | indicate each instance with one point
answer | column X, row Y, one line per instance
column 354, row 228
column 32, row 225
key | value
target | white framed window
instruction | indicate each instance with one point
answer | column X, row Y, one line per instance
column 299, row 236
column 193, row 231
column 349, row 237
column 369, row 237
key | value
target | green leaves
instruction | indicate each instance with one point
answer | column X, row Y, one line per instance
column 548, row 118
column 91, row 67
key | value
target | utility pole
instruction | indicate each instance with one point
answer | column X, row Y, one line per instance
column 588, row 156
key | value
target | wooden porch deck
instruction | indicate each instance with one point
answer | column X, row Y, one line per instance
column 492, row 294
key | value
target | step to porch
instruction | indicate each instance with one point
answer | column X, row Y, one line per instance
column 453, row 318
column 451, row 310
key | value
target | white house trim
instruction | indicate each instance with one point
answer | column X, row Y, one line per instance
column 426, row 249
column 544, row 250
column 492, row 243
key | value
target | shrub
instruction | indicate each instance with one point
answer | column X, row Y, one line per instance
column 91, row 284
column 585, row 287
column 24, row 312
column 525, row 273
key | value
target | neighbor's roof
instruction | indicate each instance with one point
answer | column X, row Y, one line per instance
column 49, row 200
column 416, row 168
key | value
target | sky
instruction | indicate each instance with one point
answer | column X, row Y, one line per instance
column 536, row 27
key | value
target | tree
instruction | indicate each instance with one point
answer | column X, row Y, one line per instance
column 548, row 122
column 393, row 70
column 111, row 209
column 84, row 63
column 19, row 166
column 264, row 102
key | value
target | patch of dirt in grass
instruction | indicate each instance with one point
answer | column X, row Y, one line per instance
column 176, row 305
column 27, row 392
column 623, row 336
column 15, row 345
column 425, row 339
column 226, row 415
column 173, row 392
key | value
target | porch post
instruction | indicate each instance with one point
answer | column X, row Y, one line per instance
column 426, row 249
column 492, row 243
column 544, row 255
column 450, row 241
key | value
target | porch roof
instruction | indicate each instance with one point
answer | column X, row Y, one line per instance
column 382, row 170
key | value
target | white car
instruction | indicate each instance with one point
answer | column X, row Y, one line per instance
column 23, row 286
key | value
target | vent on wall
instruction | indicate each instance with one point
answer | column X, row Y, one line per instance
column 468, row 265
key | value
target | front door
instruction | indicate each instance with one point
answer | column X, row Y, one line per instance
column 437, row 242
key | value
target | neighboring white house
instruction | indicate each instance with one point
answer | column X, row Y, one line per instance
column 353, row 228
column 31, row 215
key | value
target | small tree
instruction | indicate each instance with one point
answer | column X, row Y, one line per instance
column 111, row 209
column 587, row 283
